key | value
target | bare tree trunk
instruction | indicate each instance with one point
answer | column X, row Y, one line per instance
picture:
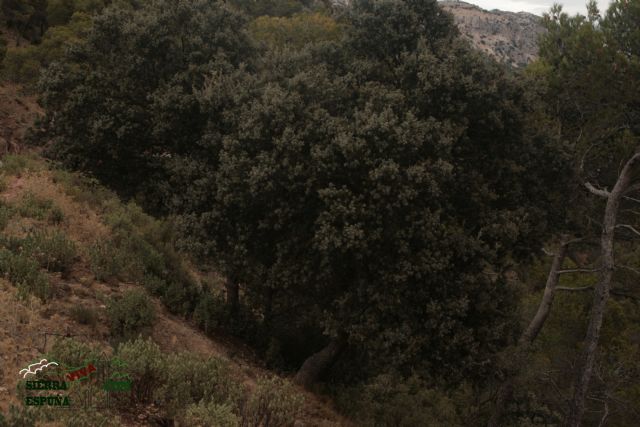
column 506, row 388
column 601, row 293
column 544, row 308
column 233, row 294
column 315, row 365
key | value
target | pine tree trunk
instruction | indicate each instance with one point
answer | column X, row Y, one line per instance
column 233, row 294
column 318, row 362
column 506, row 388
column 601, row 294
column 544, row 308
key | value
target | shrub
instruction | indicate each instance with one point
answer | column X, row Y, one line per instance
column 25, row 274
column 388, row 400
column 34, row 207
column 275, row 402
column 72, row 352
column 107, row 263
column 144, row 362
column 131, row 315
column 19, row 416
column 15, row 164
column 210, row 311
column 89, row 417
column 180, row 298
column 191, row 379
column 56, row 216
column 5, row 215
column 53, row 251
column 3, row 49
column 84, row 315
column 210, row 414
column 83, row 189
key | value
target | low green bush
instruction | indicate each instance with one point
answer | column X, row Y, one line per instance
column 6, row 212
column 130, row 315
column 52, row 250
column 56, row 216
column 274, row 402
column 3, row 49
column 25, row 274
column 15, row 164
column 206, row 414
column 83, row 189
column 190, row 379
column 210, row 312
column 106, row 261
column 32, row 206
column 144, row 363
column 19, row 416
column 84, row 315
column 389, row 400
column 72, row 352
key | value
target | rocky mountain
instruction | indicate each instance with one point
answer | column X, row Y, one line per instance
column 509, row 37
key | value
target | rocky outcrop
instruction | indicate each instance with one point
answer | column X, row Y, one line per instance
column 509, row 37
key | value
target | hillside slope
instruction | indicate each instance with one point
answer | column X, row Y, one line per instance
column 54, row 286
column 509, row 37
column 37, row 200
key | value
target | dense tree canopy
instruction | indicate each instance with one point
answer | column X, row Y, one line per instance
column 372, row 188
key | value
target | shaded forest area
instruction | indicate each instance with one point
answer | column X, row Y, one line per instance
column 403, row 224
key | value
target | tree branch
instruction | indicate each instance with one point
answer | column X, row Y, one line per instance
column 631, row 198
column 568, row 288
column 597, row 191
column 628, row 227
column 579, row 270
column 626, row 267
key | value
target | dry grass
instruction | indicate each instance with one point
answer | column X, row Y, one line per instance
column 78, row 307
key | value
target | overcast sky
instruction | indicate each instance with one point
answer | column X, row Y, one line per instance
column 537, row 7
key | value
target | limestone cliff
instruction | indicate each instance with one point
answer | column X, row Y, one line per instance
column 510, row 37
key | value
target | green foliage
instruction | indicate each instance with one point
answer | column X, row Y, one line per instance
column 6, row 212
column 84, row 189
column 19, row 416
column 28, row 17
column 15, row 164
column 210, row 414
column 270, row 7
column 388, row 400
column 3, row 49
column 144, row 364
column 590, row 72
column 354, row 187
column 52, row 250
column 32, row 206
column 190, row 379
column 141, row 250
column 23, row 64
column 297, row 31
column 106, row 261
column 274, row 402
column 89, row 417
column 182, row 43
column 84, row 315
column 130, row 315
column 72, row 352
column 24, row 273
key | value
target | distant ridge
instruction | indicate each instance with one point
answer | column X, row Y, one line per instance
column 511, row 38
